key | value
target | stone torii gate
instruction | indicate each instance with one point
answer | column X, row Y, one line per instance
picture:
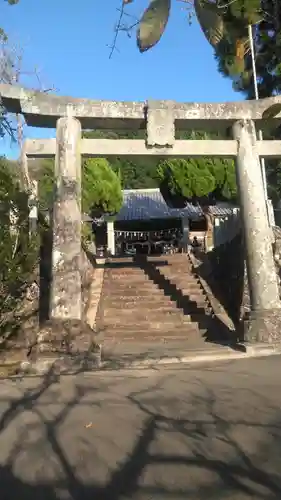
column 161, row 119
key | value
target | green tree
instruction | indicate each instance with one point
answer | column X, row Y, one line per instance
column 139, row 173
column 46, row 179
column 101, row 186
column 201, row 180
column 267, row 43
column 18, row 250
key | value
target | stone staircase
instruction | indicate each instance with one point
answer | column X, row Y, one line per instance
column 152, row 299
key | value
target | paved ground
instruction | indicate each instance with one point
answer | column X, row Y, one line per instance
column 210, row 432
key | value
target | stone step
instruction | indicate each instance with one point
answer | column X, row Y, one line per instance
column 174, row 269
column 126, row 278
column 166, row 263
column 175, row 257
column 197, row 302
column 148, row 324
column 130, row 292
column 175, row 273
column 119, row 334
column 154, row 329
column 183, row 276
column 120, row 260
column 145, row 285
column 151, row 285
column 170, row 259
column 181, row 283
column 126, row 269
column 182, row 304
column 192, row 293
column 139, row 300
column 132, row 305
column 125, row 272
column 145, row 315
column 190, row 312
column 179, row 315
column 113, row 349
column 161, row 282
column 140, row 310
column 153, row 291
column 158, row 297
column 145, row 277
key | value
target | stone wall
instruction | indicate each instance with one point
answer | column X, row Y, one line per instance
column 225, row 229
column 230, row 277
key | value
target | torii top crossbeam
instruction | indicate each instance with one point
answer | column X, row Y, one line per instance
column 43, row 110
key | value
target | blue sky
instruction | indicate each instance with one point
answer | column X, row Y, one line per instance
column 69, row 41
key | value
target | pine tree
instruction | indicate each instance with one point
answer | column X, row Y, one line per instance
column 267, row 43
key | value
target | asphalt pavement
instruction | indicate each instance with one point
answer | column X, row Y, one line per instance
column 206, row 432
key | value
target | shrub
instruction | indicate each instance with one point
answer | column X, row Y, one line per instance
column 18, row 250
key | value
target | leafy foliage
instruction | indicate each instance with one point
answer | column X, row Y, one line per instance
column 46, row 184
column 223, row 22
column 267, row 41
column 210, row 20
column 153, row 24
column 18, row 250
column 273, row 174
column 101, row 187
column 182, row 180
column 139, row 173
column 201, row 180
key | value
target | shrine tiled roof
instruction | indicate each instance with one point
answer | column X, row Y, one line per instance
column 143, row 204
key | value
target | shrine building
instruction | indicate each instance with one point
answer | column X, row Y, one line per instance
column 146, row 224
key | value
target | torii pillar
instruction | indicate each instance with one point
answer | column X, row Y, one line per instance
column 66, row 296
column 264, row 322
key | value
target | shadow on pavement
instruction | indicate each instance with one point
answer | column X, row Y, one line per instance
column 88, row 439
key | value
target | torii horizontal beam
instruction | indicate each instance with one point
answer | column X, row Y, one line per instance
column 43, row 110
column 46, row 148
